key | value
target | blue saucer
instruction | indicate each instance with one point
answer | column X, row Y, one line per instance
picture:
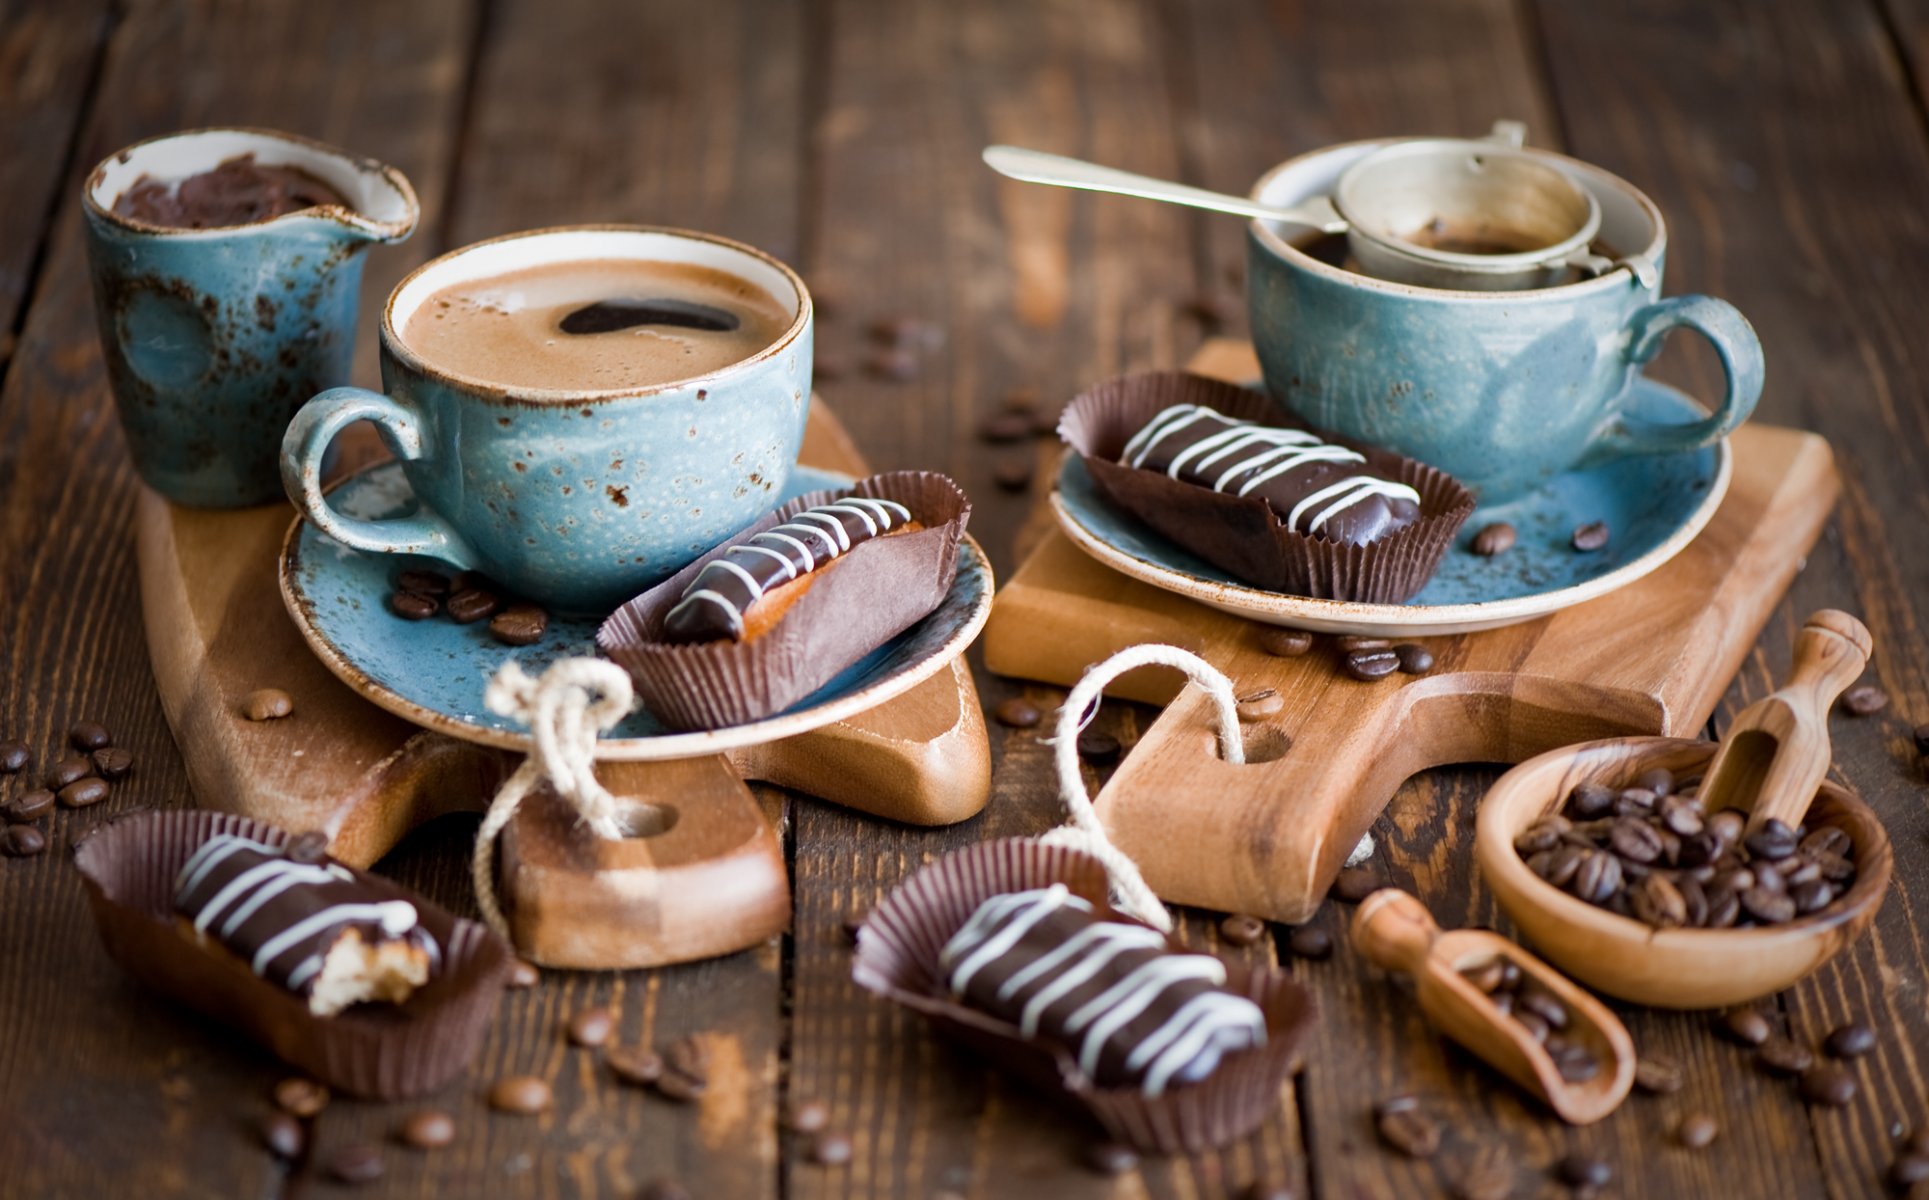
column 433, row 672
column 1653, row 506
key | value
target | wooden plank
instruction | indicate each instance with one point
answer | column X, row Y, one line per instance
column 1809, row 225
column 586, row 112
column 1908, row 22
column 1036, row 289
column 70, row 639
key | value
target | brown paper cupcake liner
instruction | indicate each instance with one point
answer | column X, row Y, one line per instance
column 382, row 1051
column 871, row 594
column 897, row 957
column 1242, row 534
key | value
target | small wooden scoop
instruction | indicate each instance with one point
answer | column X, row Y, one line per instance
column 1395, row 931
column 1776, row 753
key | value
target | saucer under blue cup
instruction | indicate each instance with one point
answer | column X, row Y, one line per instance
column 433, row 672
column 1654, row 506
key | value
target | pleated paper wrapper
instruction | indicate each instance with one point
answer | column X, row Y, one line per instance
column 1242, row 534
column 857, row 602
column 897, row 957
column 382, row 1051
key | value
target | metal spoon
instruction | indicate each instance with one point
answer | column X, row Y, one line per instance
column 1036, row 166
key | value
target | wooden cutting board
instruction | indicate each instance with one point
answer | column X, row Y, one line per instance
column 1269, row 837
column 704, row 873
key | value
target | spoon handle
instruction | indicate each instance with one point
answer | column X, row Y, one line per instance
column 1831, row 651
column 1395, row 931
column 1036, row 166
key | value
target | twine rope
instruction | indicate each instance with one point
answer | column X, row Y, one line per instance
column 1133, row 896
column 566, row 709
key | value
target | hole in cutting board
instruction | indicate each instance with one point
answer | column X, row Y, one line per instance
column 641, row 819
column 1264, row 743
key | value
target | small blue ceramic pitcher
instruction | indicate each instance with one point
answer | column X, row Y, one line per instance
column 215, row 337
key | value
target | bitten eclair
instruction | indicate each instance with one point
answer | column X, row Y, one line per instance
column 334, row 936
column 1316, row 488
column 741, row 594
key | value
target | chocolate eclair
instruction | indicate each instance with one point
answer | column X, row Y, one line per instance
column 1128, row 1009
column 306, row 923
column 739, row 595
column 1318, row 488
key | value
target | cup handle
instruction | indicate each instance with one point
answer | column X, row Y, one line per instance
column 307, row 440
column 1735, row 343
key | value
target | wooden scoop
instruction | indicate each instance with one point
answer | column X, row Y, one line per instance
column 1776, row 753
column 1395, row 931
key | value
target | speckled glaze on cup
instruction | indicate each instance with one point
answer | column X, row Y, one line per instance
column 214, row 337
column 1502, row 390
column 577, row 499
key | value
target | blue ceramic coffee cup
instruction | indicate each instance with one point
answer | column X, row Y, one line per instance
column 575, row 498
column 1502, row 390
column 214, row 337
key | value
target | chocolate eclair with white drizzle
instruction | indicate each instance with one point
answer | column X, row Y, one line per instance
column 1114, row 995
column 302, row 921
column 1316, row 488
column 741, row 593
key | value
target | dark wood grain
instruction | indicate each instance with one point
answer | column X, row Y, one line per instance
column 84, row 1054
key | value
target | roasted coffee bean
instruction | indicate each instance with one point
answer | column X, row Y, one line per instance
column 1012, row 474
column 1531, row 1022
column 832, row 1148
column 1656, row 1075
column 1774, row 841
column 1768, row 907
column 1849, row 1041
column 1747, row 1026
column 1577, row 1064
column 1098, row 748
column 1487, row 1174
column 473, row 604
column 809, row 1116
column 1826, row 842
column 1682, row 816
column 1590, row 537
column 1006, row 427
column 1634, row 839
column 83, row 793
column 1811, row 896
column 1241, row 929
column 896, row 366
column 355, row 1163
column 1697, row 1131
column 1581, row 1170
column 1589, row 800
column 299, row 1097
column 68, row 770
column 1258, row 704
column 1830, row 1085
column 1783, row 1056
column 1637, row 800
column 1700, row 850
column 413, row 606
column 1408, row 1130
column 14, row 757
column 687, row 1057
column 678, row 1087
column 1415, row 659
column 1920, row 735
column 1795, row 872
column 591, row 1027
column 1543, row 834
column 1285, row 643
column 423, row 582
column 1310, row 942
column 88, row 736
column 267, row 704
column 1371, row 665
column 1597, row 878
column 1017, row 713
column 523, row 1095
column 522, row 974
column 1562, row 864
column 1694, row 903
column 28, row 806
column 23, row 841
column 1497, row 538
column 1864, row 700
column 1110, row 1158
column 1659, row 780
column 1724, row 910
column 283, row 1135
column 1538, row 1000
column 112, row 762
column 1354, row 884
column 427, row 1129
column 521, row 624
column 1658, row 903
column 670, row 1189
column 636, row 1065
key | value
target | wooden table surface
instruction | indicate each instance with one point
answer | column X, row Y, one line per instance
column 1784, row 140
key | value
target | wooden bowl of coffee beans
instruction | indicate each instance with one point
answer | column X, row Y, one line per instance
column 1605, row 859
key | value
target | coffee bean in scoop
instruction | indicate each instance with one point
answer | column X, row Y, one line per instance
column 1098, row 748
column 1591, row 537
column 1242, row 929
column 1017, row 713
column 1494, row 539
column 1414, row 658
column 89, row 735
column 1371, row 665
column 1864, row 700
column 1285, row 643
column 521, row 624
column 14, row 757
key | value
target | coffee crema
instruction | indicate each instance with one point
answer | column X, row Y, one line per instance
column 595, row 324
